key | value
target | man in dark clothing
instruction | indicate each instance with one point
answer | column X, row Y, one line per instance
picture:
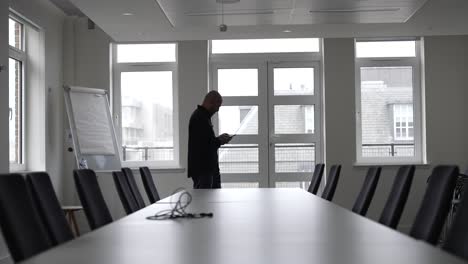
column 203, row 145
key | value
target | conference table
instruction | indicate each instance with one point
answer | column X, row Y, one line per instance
column 248, row 226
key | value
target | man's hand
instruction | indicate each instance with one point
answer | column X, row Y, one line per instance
column 224, row 138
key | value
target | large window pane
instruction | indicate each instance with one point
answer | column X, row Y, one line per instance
column 147, row 116
column 293, row 81
column 238, row 82
column 238, row 158
column 15, row 34
column 265, row 45
column 382, row 49
column 240, row 120
column 294, row 119
column 387, row 111
column 15, row 110
column 294, row 157
column 146, row 53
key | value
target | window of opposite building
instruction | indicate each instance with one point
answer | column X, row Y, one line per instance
column 389, row 102
column 403, row 122
column 145, row 89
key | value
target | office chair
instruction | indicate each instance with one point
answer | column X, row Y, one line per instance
column 22, row 228
column 133, row 187
column 457, row 238
column 48, row 207
column 125, row 195
column 316, row 178
column 91, row 198
column 398, row 196
column 332, row 182
column 367, row 191
column 148, row 182
column 435, row 205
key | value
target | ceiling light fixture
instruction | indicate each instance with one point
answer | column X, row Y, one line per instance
column 227, row 1
column 127, row 14
column 222, row 27
column 234, row 12
column 287, row 31
column 356, row 10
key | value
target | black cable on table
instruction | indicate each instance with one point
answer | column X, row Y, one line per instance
column 178, row 209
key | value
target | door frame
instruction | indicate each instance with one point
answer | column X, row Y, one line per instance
column 262, row 62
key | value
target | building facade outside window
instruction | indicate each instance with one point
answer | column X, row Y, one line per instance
column 389, row 103
column 145, row 90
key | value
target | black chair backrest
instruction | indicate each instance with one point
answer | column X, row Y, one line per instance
column 457, row 238
column 332, row 182
column 398, row 196
column 435, row 205
column 48, row 207
column 91, row 198
column 148, row 182
column 316, row 178
column 125, row 195
column 133, row 187
column 367, row 191
column 21, row 225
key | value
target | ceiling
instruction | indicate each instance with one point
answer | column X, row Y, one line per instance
column 161, row 20
column 287, row 12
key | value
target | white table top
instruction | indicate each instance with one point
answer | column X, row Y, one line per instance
column 249, row 226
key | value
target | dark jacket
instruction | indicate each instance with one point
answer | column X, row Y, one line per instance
column 202, row 145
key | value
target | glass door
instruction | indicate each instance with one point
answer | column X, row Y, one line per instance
column 274, row 110
column 294, row 106
column 242, row 162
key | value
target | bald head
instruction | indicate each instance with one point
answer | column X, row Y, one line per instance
column 212, row 101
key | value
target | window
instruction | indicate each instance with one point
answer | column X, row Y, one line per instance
column 243, row 46
column 16, row 64
column 27, row 95
column 145, row 88
column 389, row 102
column 403, row 122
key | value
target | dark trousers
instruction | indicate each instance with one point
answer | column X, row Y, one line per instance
column 207, row 181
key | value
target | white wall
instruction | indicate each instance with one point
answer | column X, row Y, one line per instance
column 446, row 71
column 86, row 61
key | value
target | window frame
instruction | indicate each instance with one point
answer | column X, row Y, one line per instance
column 262, row 54
column 116, row 103
column 21, row 56
column 418, row 104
